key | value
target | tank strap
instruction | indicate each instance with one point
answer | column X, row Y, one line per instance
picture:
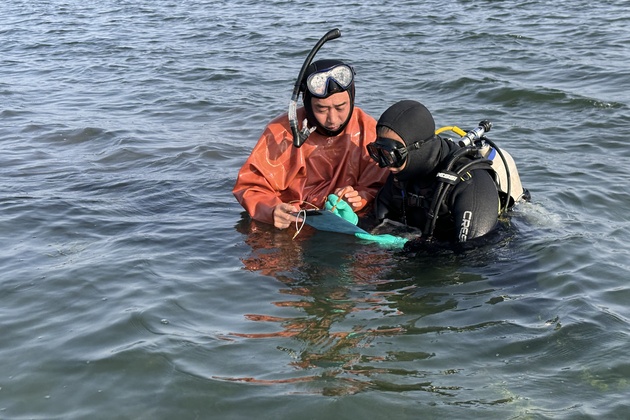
column 447, row 179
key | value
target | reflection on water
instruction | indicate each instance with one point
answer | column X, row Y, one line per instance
column 362, row 310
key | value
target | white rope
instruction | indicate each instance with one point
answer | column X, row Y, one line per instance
column 298, row 226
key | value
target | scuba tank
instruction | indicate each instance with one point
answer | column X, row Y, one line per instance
column 505, row 172
column 477, row 152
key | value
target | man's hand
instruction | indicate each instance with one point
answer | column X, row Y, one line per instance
column 351, row 196
column 282, row 217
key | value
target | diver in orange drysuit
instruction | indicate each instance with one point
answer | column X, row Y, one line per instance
column 278, row 179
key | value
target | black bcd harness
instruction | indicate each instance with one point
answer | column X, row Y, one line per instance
column 457, row 169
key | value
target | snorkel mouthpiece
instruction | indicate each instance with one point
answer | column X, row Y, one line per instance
column 300, row 136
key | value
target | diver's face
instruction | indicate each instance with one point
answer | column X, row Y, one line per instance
column 391, row 134
column 333, row 111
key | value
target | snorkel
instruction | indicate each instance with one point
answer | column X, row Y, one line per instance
column 300, row 136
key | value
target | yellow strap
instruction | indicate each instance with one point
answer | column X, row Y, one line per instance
column 452, row 128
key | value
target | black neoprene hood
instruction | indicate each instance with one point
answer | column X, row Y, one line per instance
column 333, row 87
column 411, row 120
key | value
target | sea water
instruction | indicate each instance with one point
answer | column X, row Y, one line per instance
column 133, row 286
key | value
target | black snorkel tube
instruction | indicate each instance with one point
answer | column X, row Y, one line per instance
column 300, row 136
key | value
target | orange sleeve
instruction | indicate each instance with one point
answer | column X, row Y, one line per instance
column 262, row 182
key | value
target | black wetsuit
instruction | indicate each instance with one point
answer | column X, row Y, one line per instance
column 470, row 208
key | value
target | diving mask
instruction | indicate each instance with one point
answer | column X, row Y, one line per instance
column 387, row 152
column 317, row 83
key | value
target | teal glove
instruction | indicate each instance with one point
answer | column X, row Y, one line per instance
column 342, row 209
column 387, row 241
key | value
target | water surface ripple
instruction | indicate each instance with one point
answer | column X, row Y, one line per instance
column 133, row 287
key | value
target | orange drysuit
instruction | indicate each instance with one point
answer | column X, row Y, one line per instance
column 277, row 172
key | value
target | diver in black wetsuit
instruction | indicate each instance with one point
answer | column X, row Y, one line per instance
column 407, row 145
column 447, row 192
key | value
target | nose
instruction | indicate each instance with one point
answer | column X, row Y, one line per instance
column 333, row 117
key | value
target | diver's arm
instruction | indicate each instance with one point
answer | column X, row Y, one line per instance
column 380, row 208
column 265, row 177
column 258, row 201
